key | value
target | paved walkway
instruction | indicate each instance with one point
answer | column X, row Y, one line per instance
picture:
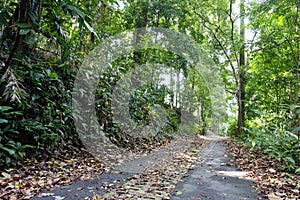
column 212, row 177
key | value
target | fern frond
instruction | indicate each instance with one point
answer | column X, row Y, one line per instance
column 13, row 88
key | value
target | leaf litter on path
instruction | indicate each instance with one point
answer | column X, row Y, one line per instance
column 33, row 176
column 267, row 171
column 160, row 178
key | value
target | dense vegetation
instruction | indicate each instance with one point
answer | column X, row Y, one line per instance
column 255, row 46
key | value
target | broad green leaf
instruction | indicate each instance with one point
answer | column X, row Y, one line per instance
column 53, row 75
column 5, row 108
column 90, row 28
column 24, row 31
column 3, row 121
column 10, row 151
column 296, row 130
column 290, row 160
column 23, row 25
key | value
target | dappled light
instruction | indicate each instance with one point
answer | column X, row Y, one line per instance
column 237, row 174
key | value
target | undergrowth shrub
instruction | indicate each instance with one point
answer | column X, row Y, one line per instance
column 10, row 149
column 42, row 119
column 276, row 140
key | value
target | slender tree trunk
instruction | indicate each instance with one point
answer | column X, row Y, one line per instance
column 241, row 71
column 241, row 104
column 298, row 55
column 172, row 87
column 178, row 89
column 193, row 89
column 203, row 124
column 297, row 62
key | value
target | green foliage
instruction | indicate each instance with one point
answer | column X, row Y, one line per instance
column 143, row 99
column 141, row 102
column 10, row 150
column 273, row 81
column 40, row 47
column 43, row 117
column 276, row 141
column 43, row 45
column 232, row 124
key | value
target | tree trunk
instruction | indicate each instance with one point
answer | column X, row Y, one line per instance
column 172, row 87
column 241, row 104
column 203, row 120
column 178, row 103
column 241, row 71
column 298, row 55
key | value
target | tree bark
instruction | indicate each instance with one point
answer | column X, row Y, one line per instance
column 172, row 87
column 241, row 104
column 178, row 103
column 241, row 71
column 298, row 54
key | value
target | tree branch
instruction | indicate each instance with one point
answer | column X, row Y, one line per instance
column 219, row 43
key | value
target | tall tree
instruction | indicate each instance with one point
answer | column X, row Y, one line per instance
column 276, row 52
column 241, row 72
column 228, row 44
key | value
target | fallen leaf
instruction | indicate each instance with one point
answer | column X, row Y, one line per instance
column 6, row 175
column 272, row 196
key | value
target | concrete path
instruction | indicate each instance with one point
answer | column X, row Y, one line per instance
column 214, row 177
column 117, row 175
